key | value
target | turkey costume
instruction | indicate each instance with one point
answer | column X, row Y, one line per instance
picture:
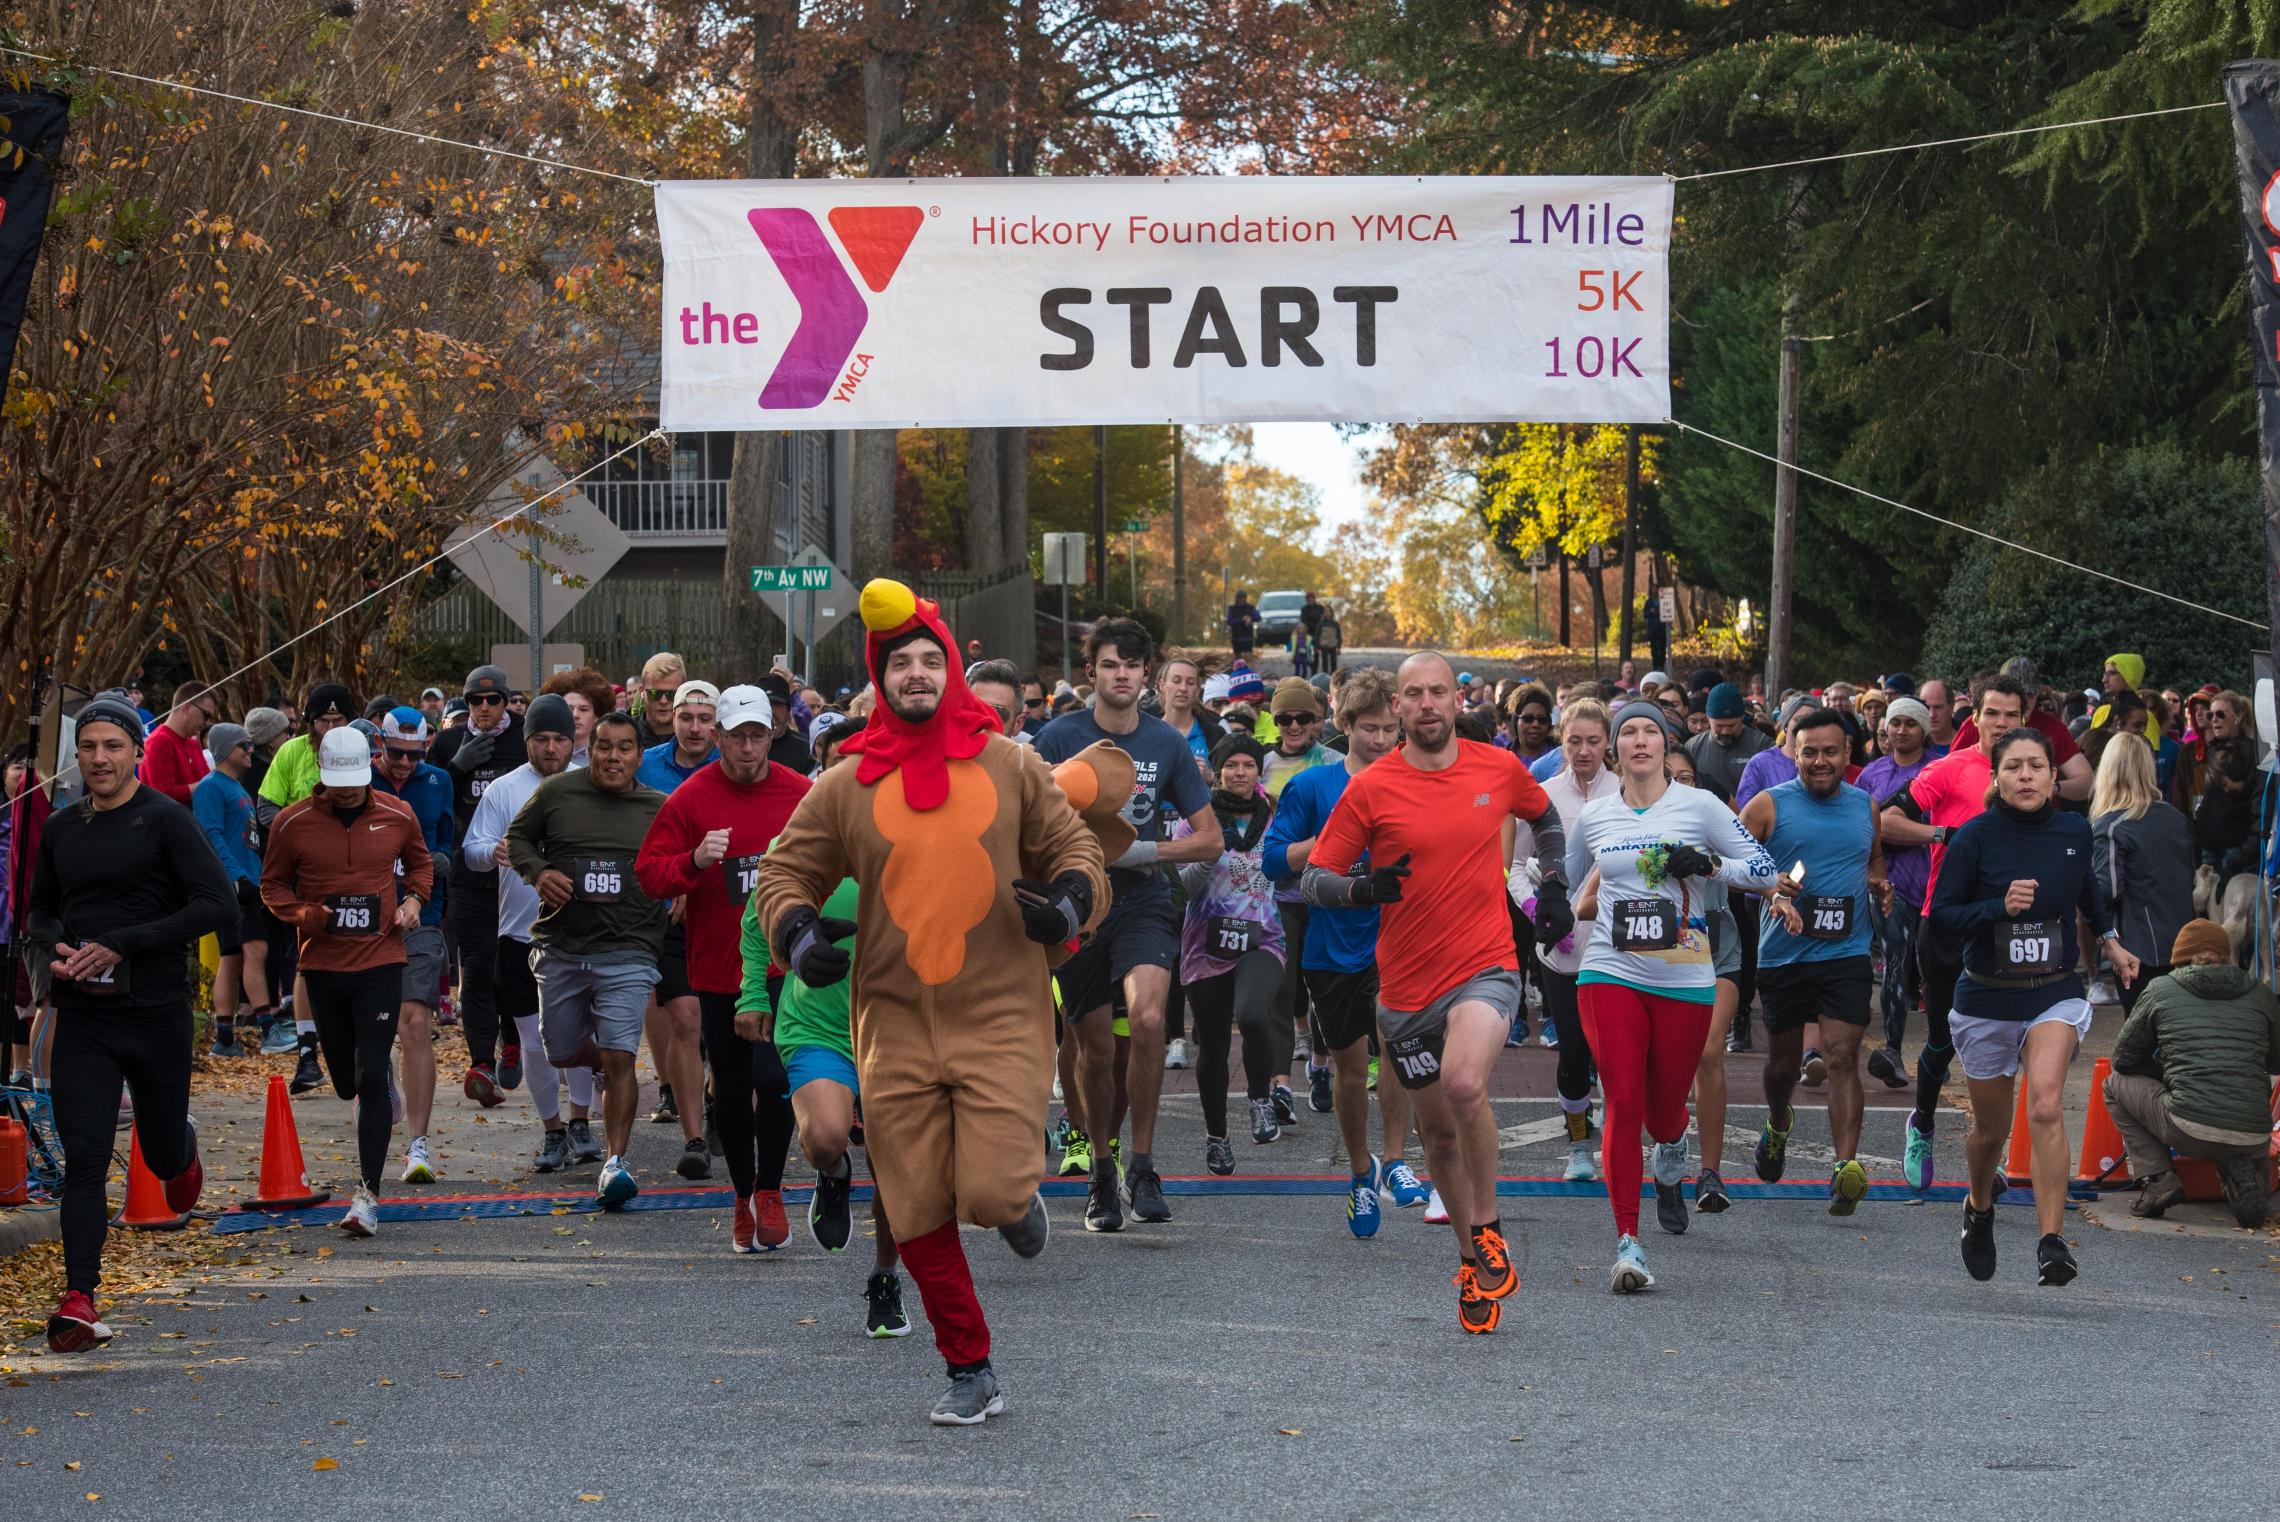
column 951, row 1007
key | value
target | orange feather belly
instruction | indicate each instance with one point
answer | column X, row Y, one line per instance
column 938, row 881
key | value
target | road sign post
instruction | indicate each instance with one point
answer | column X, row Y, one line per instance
column 809, row 577
column 1064, row 563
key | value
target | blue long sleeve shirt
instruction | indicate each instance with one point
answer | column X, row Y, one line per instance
column 1337, row 940
column 427, row 793
column 225, row 812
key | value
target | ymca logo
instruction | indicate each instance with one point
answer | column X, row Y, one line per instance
column 832, row 311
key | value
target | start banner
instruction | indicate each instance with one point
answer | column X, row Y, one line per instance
column 1048, row 302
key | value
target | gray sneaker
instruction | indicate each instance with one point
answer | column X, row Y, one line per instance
column 972, row 1398
column 554, row 1153
column 1264, row 1127
column 583, row 1147
column 1670, row 1177
column 1146, row 1192
column 1027, row 1236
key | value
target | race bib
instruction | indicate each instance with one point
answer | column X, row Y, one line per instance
column 110, row 983
column 598, row 879
column 481, row 780
column 1227, row 936
column 2029, row 948
column 743, row 875
column 1827, row 917
column 353, row 914
column 1645, row 924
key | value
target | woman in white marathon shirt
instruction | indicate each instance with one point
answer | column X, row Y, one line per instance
column 1710, row 1071
column 2009, row 889
column 1583, row 739
column 1648, row 984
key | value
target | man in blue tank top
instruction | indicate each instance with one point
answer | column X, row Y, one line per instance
column 1813, row 961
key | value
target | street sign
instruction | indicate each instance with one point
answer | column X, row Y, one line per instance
column 1536, row 559
column 1669, row 599
column 1135, row 525
column 1592, row 559
column 792, row 578
column 580, row 543
column 1064, row 560
column 812, row 599
column 553, row 659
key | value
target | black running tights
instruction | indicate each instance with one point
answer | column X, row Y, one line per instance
column 1245, row 996
column 752, row 1109
column 95, row 1051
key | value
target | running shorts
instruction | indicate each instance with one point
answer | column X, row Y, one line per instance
column 673, row 966
column 1413, row 1041
column 1798, row 993
column 1147, row 934
column 425, row 964
column 803, row 1065
column 1992, row 1048
column 601, row 1000
column 1345, row 1005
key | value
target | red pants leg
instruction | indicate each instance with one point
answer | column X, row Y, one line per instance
column 1676, row 1033
column 937, row 1264
column 1616, row 1022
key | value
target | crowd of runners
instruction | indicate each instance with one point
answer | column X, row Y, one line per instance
column 897, row 919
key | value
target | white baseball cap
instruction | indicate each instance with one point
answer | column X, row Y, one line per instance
column 739, row 706
column 696, row 692
column 1215, row 687
column 344, row 759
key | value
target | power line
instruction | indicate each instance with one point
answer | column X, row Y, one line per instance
column 1949, row 142
column 66, row 768
column 2029, row 549
column 327, row 116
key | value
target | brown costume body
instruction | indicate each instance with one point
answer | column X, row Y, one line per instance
column 951, row 1007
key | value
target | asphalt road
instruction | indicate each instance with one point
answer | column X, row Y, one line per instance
column 1248, row 1359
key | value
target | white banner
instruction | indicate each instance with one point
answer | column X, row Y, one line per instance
column 1047, row 302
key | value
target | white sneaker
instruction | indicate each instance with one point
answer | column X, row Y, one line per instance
column 1176, row 1054
column 1302, row 1049
column 1629, row 1275
column 417, row 1168
column 1582, row 1167
column 2103, row 991
column 1436, row 1213
column 363, row 1218
column 395, row 1101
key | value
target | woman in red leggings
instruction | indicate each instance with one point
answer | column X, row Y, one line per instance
column 1648, row 982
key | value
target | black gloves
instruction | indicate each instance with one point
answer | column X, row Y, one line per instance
column 473, row 752
column 1554, row 919
column 1052, row 912
column 1383, row 885
column 804, row 944
column 1687, row 861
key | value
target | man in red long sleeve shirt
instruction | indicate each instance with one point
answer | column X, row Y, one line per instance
column 705, row 846
column 174, row 756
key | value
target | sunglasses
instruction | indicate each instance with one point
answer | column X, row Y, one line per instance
column 405, row 753
column 475, row 699
column 1297, row 720
column 1535, row 716
column 1033, row 702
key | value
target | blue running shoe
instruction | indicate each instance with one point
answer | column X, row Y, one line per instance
column 617, row 1186
column 1407, row 1189
column 1517, row 1034
column 1549, row 1035
column 280, row 1037
column 1916, row 1163
column 1362, row 1200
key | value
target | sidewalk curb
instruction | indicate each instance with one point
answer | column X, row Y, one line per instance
column 22, row 1228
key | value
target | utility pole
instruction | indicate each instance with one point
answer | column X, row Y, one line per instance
column 1100, row 515
column 1784, row 525
column 1179, row 533
column 1630, row 532
column 1567, row 628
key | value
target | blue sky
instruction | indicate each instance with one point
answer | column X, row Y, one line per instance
column 1314, row 452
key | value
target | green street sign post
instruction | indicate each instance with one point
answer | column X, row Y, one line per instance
column 1136, row 525
column 791, row 578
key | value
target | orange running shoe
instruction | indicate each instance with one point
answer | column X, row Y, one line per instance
column 1494, row 1275
column 1476, row 1313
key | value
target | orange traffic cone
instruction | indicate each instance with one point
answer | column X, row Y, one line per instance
column 2103, row 1159
column 15, row 1181
column 2020, row 1163
column 284, row 1177
column 145, row 1209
